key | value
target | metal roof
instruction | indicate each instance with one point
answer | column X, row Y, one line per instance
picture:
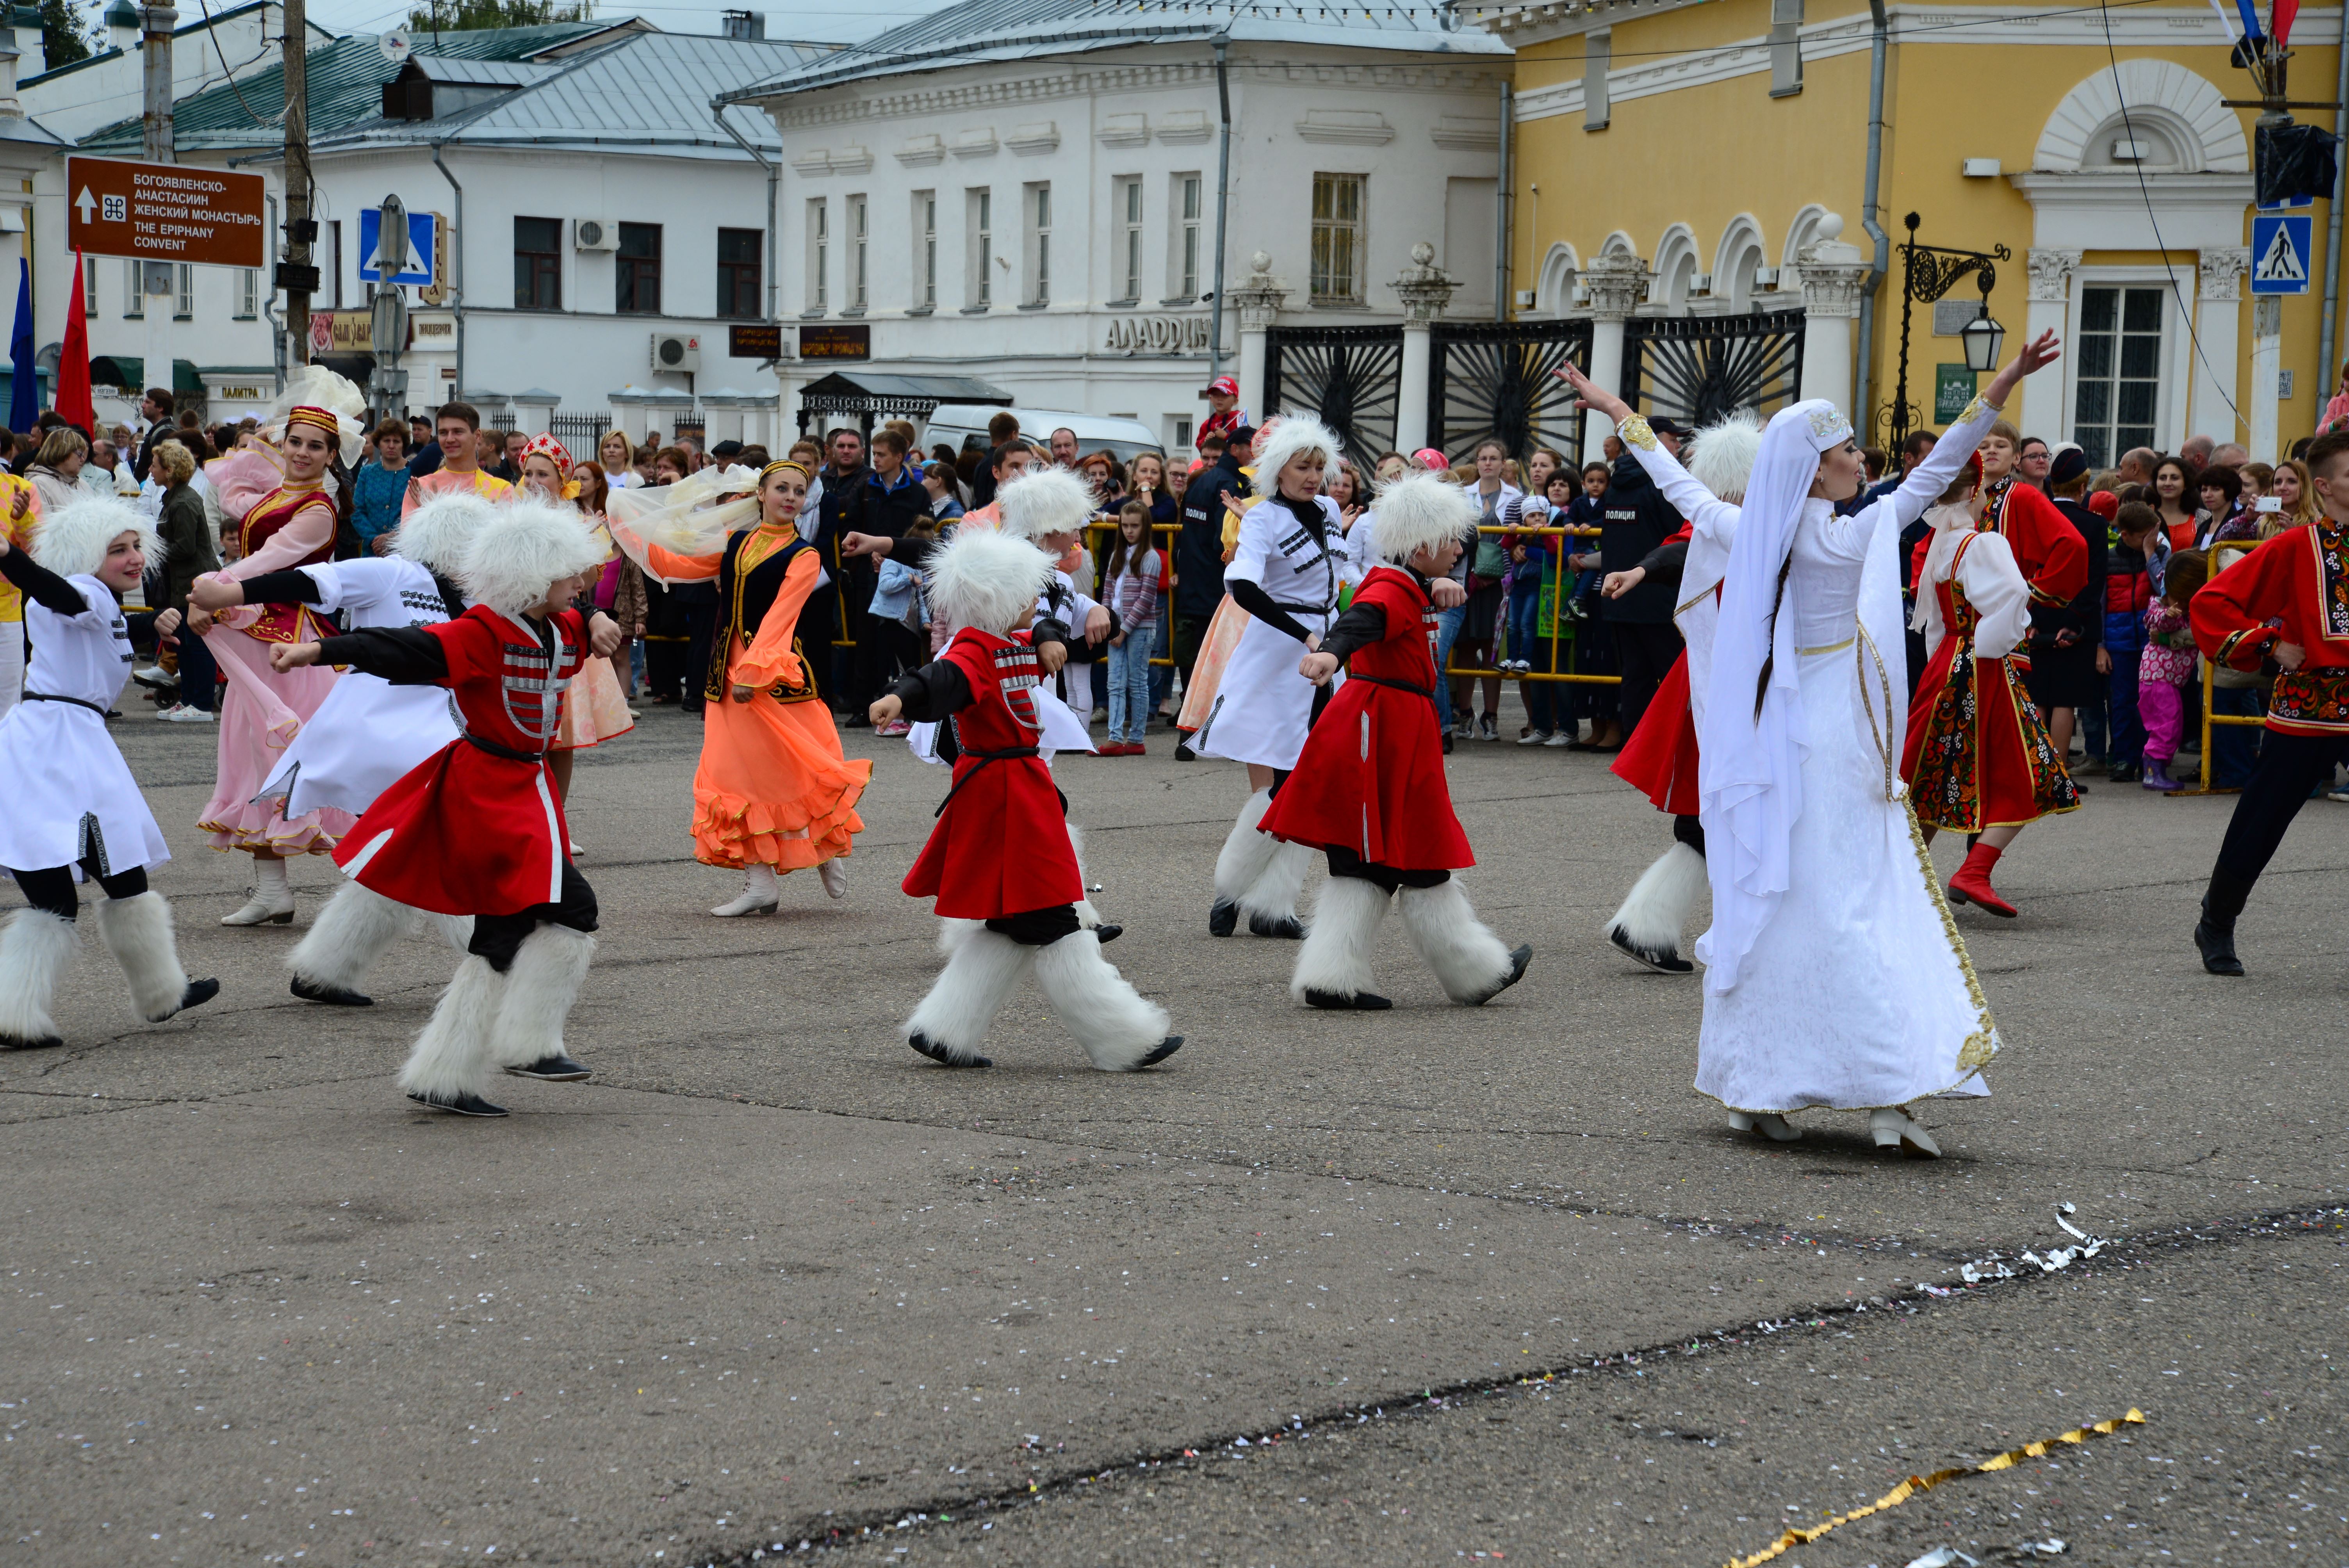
column 480, row 73
column 647, row 92
column 345, row 81
column 864, row 392
column 1033, row 29
column 111, row 53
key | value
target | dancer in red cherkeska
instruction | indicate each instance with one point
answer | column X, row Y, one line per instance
column 999, row 856
column 1977, row 759
column 476, row 829
column 1369, row 789
column 1661, row 757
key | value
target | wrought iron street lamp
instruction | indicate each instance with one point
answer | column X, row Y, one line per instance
column 1983, row 337
column 1927, row 272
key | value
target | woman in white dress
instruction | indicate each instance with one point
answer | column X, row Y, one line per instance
column 74, row 812
column 1291, row 560
column 1835, row 975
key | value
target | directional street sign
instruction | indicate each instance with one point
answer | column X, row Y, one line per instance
column 2280, row 248
column 164, row 212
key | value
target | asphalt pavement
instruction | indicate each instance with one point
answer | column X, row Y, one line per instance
column 1433, row 1284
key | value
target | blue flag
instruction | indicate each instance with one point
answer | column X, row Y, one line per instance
column 24, row 392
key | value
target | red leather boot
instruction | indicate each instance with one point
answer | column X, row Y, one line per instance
column 1971, row 884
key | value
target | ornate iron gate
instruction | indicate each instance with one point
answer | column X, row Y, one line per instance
column 1696, row 368
column 580, row 432
column 1496, row 381
column 1351, row 376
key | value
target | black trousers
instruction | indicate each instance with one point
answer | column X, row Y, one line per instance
column 2289, row 767
column 1644, row 652
column 700, row 626
column 1038, row 927
column 1190, row 631
column 666, row 670
column 868, row 670
column 819, row 629
column 52, row 887
column 498, row 937
column 1345, row 863
column 1689, row 830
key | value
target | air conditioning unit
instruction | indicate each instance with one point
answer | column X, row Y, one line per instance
column 594, row 234
column 1766, row 277
column 676, row 351
column 1701, row 284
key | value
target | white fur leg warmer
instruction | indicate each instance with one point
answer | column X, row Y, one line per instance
column 1274, row 893
column 1087, row 915
column 1469, row 961
column 1336, row 955
column 138, row 932
column 456, row 930
column 1657, row 908
column 1246, row 851
column 36, row 951
column 1116, row 1025
column 969, row 990
column 541, row 985
column 349, row 935
column 953, row 934
column 452, row 1055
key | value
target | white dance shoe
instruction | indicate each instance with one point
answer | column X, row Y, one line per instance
column 835, row 878
column 1892, row 1130
column 760, row 896
column 1768, row 1123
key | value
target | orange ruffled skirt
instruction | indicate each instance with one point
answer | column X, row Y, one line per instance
column 773, row 788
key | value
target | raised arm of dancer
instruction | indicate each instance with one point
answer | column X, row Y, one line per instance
column 1707, row 513
column 769, row 660
column 669, row 566
column 1928, row 479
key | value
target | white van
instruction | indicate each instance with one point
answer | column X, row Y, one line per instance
column 963, row 426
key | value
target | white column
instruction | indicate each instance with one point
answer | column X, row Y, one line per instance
column 2267, row 361
column 1616, row 285
column 2049, row 310
column 1832, row 275
column 1424, row 289
column 2218, row 317
column 1258, row 300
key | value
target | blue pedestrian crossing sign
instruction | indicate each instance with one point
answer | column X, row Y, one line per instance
column 2281, row 245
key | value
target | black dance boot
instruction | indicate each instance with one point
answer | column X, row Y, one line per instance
column 2214, row 934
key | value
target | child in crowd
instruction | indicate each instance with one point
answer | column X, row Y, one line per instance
column 1587, row 509
column 2132, row 578
column 1532, row 557
column 1129, row 585
column 2166, row 664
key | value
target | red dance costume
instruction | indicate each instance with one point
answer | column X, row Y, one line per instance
column 1977, row 755
column 2048, row 551
column 477, row 828
column 1000, row 847
column 1370, row 781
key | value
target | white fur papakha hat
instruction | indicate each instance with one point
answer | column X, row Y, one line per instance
column 436, row 533
column 1045, row 501
column 1417, row 511
column 520, row 548
column 72, row 540
column 1723, row 458
column 985, row 579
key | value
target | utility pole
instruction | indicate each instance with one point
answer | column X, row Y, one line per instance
column 298, row 273
column 158, row 281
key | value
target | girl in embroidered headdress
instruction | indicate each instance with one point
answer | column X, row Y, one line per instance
column 774, row 793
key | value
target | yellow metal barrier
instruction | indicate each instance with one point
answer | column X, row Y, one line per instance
column 2210, row 687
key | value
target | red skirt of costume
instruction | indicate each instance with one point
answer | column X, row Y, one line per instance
column 1371, row 778
column 1002, row 844
column 462, row 833
column 1661, row 757
column 1977, row 755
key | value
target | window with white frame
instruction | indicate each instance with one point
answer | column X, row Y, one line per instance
column 183, row 292
column 980, row 292
column 1189, row 204
column 89, row 286
column 859, row 233
column 134, row 287
column 2116, row 385
column 1338, row 239
column 248, row 293
column 1038, row 280
column 819, row 256
column 926, row 258
column 1127, row 195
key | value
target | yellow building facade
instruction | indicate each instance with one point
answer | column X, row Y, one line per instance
column 1718, row 141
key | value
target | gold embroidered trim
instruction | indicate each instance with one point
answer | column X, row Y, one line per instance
column 1636, row 433
column 1975, row 409
column 1831, row 648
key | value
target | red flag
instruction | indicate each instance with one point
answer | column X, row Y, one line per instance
column 2280, row 21
column 73, row 402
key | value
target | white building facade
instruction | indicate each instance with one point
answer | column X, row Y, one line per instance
column 1029, row 195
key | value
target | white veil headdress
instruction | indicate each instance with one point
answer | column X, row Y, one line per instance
column 1754, row 740
column 691, row 517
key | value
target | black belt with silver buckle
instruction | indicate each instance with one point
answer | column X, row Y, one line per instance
column 508, row 752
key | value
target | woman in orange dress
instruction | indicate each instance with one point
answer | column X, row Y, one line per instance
column 594, row 709
column 774, row 793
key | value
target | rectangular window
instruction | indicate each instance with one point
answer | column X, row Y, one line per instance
column 538, row 264
column 738, row 273
column 1338, row 239
column 1039, row 246
column 134, row 288
column 1127, row 195
column 636, row 271
column 248, row 293
column 89, row 285
column 859, row 235
column 1191, row 205
column 925, row 226
column 183, row 292
column 819, row 231
column 2116, row 397
column 1598, row 54
column 981, row 291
